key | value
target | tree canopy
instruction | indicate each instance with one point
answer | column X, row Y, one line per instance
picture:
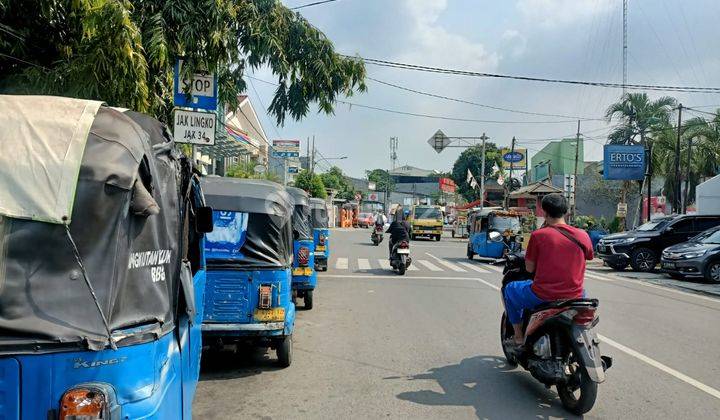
column 335, row 179
column 312, row 183
column 471, row 158
column 382, row 179
column 123, row 52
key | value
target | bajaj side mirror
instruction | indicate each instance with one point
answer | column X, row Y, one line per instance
column 204, row 219
column 495, row 236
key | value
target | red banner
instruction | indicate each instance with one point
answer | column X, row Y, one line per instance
column 447, row 185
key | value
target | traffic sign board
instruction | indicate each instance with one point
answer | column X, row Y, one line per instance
column 194, row 127
column 439, row 141
column 201, row 90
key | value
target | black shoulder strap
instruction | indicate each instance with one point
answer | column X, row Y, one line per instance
column 571, row 237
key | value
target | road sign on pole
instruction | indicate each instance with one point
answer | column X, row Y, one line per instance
column 201, row 90
column 439, row 141
column 194, row 127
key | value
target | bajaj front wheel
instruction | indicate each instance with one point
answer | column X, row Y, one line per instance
column 308, row 300
column 284, row 351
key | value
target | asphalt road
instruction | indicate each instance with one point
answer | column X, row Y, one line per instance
column 426, row 345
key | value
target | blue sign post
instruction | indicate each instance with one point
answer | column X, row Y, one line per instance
column 201, row 90
column 623, row 162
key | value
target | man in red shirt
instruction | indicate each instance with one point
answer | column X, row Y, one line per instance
column 556, row 253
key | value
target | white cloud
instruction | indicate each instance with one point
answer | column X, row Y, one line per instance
column 432, row 44
column 514, row 42
column 550, row 13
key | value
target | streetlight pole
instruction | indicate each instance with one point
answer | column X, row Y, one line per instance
column 482, row 172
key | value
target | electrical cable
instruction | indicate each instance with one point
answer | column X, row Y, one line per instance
column 433, row 95
column 440, row 70
column 316, row 3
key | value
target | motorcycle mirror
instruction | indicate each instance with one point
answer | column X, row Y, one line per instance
column 495, row 236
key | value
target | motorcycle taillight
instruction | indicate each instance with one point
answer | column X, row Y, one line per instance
column 404, row 244
column 303, row 256
column 584, row 316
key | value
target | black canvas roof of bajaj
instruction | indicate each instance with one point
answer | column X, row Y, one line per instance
column 90, row 210
column 268, row 242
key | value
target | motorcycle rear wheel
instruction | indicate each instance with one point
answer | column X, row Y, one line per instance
column 582, row 402
column 506, row 331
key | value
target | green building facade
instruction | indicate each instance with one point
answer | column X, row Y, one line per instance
column 557, row 158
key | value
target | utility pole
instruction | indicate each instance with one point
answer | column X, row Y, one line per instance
column 393, row 160
column 509, row 182
column 625, row 45
column 649, row 176
column 482, row 172
column 687, row 177
column 677, row 182
column 312, row 166
column 307, row 154
column 575, row 172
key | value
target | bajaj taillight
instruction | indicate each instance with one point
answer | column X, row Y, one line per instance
column 404, row 244
column 584, row 316
column 303, row 256
column 265, row 298
column 83, row 403
column 321, row 239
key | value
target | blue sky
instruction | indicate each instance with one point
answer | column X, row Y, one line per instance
column 671, row 42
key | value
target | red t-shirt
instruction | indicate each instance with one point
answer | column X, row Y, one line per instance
column 559, row 262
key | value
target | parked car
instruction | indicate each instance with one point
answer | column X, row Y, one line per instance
column 697, row 258
column 641, row 248
column 365, row 220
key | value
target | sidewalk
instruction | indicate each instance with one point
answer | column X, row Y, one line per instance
column 694, row 285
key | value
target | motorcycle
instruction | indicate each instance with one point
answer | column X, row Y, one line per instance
column 400, row 257
column 377, row 235
column 560, row 347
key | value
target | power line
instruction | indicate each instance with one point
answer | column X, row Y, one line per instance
column 440, row 70
column 272, row 123
column 317, row 3
column 463, row 101
column 441, row 117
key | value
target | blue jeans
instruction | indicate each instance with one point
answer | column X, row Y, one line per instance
column 518, row 298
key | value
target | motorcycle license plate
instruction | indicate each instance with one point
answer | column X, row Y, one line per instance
column 270, row 315
column 403, row 251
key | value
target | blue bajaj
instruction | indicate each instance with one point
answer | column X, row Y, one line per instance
column 101, row 264
column 248, row 297
column 321, row 234
column 485, row 221
column 304, row 277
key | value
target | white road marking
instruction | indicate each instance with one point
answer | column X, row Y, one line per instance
column 341, row 264
column 473, row 267
column 396, row 276
column 430, row 266
column 384, row 264
column 654, row 363
column 447, row 264
column 614, row 278
column 363, row 264
column 493, row 268
column 413, row 267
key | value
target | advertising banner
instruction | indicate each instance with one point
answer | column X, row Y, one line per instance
column 623, row 162
column 286, row 148
column 518, row 158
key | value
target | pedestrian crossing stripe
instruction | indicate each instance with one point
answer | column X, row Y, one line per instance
column 439, row 265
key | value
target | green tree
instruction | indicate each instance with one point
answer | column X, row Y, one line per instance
column 471, row 159
column 312, row 183
column 335, row 180
column 247, row 170
column 638, row 115
column 382, row 179
column 123, row 52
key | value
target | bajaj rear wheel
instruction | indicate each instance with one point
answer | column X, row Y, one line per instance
column 308, row 299
column 578, row 394
column 284, row 351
